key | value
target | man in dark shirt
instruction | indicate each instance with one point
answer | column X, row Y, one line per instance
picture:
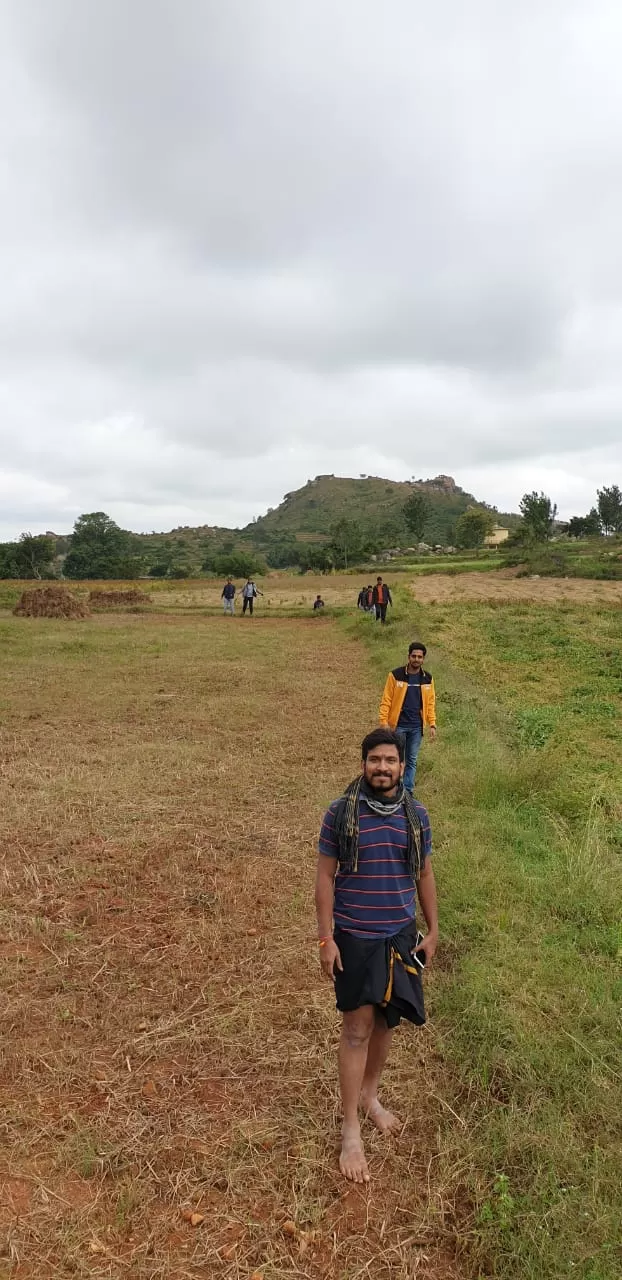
column 374, row 862
column 318, row 603
column 227, row 596
column 381, row 597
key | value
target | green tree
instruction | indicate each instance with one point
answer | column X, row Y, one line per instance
column 473, row 526
column 538, row 514
column 315, row 557
column 239, row 564
column 347, row 541
column 31, row 557
column 36, row 553
column 9, row 564
column 282, row 552
column 584, row 526
column 416, row 510
column 610, row 508
column 100, row 549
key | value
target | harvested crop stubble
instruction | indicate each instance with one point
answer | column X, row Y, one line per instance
column 50, row 602
column 108, row 599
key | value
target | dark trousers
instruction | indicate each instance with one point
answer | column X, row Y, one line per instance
column 248, row 600
column 381, row 613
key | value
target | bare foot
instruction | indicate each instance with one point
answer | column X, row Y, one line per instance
column 384, row 1120
column 352, row 1160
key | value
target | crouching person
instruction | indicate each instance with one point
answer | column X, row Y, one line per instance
column 374, row 860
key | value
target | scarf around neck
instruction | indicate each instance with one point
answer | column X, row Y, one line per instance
column 347, row 830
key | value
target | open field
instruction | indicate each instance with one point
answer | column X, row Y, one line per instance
column 292, row 595
column 503, row 585
column 168, row 1044
column 283, row 593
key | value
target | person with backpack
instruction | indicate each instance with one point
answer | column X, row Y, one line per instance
column 373, row 867
column 249, row 595
column 381, row 597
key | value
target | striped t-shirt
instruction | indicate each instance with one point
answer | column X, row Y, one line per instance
column 379, row 898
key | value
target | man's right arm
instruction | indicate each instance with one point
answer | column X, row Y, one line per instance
column 325, row 894
column 324, row 900
column 327, row 863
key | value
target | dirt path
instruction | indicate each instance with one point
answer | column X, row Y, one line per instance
column 168, row 1047
column 503, row 586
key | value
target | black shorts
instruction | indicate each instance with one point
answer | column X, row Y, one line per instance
column 380, row 971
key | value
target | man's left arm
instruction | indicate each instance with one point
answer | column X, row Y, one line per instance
column 432, row 704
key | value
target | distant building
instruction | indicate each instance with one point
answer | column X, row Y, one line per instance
column 498, row 535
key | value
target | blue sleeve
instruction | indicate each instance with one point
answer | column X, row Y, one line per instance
column 327, row 843
column 426, row 833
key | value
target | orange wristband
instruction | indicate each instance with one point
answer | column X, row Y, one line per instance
column 323, row 941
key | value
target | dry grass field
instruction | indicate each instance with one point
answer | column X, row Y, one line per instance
column 292, row 594
column 167, row 1042
column 167, row 1070
column 503, row 586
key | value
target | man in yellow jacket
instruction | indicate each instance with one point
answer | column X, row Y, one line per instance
column 408, row 705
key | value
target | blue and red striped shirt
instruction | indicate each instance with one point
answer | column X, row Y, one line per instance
column 378, row 899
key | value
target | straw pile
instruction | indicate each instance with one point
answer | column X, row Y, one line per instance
column 108, row 599
column 50, row 602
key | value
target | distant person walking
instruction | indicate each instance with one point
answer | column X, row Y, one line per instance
column 249, row 595
column 318, row 603
column 374, row 858
column 381, row 597
column 362, row 599
column 408, row 705
column 227, row 596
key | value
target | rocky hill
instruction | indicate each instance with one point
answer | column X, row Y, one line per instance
column 374, row 502
column 307, row 515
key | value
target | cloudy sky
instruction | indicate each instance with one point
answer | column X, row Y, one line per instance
column 246, row 242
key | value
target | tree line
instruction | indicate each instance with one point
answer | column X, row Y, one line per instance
column 99, row 548
column 538, row 522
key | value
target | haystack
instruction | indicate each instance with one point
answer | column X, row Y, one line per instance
column 50, row 602
column 108, row 599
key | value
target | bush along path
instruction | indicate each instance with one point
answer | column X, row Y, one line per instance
column 522, row 787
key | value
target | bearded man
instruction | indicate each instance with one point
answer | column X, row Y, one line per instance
column 374, row 860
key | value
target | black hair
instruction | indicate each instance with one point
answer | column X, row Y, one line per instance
column 416, row 644
column 380, row 738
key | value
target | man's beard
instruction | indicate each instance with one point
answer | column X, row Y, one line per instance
column 381, row 783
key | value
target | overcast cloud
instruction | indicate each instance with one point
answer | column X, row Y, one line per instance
column 246, row 242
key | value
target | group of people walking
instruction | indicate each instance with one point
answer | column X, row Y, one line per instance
column 375, row 600
column 249, row 593
column 374, row 864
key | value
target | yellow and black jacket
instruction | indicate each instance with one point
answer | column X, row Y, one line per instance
column 394, row 693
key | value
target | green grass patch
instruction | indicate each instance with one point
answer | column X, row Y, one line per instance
column 523, row 789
